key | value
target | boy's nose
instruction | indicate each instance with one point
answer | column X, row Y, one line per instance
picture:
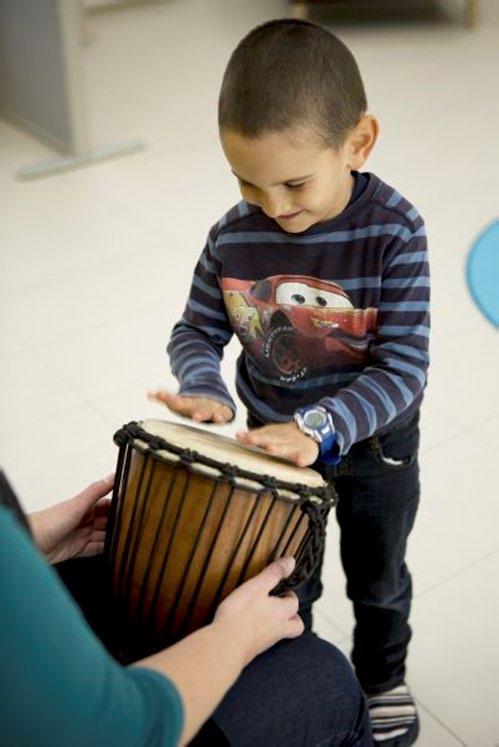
column 273, row 207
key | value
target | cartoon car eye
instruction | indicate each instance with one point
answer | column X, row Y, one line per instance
column 305, row 294
column 329, row 300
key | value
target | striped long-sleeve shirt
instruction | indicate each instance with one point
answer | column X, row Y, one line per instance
column 337, row 315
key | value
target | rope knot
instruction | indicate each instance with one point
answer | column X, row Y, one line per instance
column 230, row 470
column 189, row 456
column 269, row 482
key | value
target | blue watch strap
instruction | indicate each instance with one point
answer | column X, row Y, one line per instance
column 329, row 451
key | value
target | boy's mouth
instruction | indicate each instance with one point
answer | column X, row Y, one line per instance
column 289, row 216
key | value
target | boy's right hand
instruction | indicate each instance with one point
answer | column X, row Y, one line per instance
column 252, row 620
column 201, row 409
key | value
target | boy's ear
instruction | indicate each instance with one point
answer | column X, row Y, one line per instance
column 362, row 140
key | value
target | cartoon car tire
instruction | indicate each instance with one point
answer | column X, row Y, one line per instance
column 283, row 350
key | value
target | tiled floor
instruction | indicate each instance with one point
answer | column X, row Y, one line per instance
column 95, row 265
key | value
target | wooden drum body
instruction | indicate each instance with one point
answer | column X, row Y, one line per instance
column 194, row 515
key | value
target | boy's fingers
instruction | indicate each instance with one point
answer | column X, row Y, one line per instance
column 204, row 411
column 182, row 405
column 284, row 446
column 169, row 400
column 201, row 416
column 198, row 408
column 283, row 449
column 250, row 437
column 265, row 440
column 175, row 402
column 212, row 412
column 289, row 451
column 220, row 417
column 160, row 395
column 223, row 414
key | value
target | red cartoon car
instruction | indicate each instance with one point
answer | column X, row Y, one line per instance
column 298, row 323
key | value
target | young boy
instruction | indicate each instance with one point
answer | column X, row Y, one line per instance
column 322, row 273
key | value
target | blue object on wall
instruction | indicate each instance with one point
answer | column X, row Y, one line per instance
column 482, row 273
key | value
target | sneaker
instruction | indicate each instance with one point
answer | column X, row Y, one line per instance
column 394, row 719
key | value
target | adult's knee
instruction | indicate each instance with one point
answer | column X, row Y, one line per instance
column 300, row 692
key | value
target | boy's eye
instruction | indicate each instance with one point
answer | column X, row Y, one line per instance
column 295, row 186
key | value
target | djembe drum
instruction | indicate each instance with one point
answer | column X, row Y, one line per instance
column 195, row 514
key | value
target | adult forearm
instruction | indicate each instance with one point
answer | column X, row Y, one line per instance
column 203, row 667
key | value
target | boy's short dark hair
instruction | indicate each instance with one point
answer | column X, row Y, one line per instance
column 286, row 73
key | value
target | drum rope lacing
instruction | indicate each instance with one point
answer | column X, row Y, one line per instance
column 310, row 556
column 133, row 430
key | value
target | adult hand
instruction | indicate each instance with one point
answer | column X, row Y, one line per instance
column 286, row 441
column 207, row 662
column 76, row 527
column 251, row 620
column 201, row 409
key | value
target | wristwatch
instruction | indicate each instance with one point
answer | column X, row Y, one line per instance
column 315, row 422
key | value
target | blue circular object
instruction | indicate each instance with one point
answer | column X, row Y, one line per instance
column 482, row 273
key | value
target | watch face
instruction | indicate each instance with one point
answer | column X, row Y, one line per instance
column 315, row 419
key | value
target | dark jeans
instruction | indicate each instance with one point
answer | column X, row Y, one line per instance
column 300, row 693
column 378, row 490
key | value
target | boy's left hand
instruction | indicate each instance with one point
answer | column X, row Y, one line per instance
column 286, row 441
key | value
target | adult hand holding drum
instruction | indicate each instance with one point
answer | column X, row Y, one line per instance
column 194, row 515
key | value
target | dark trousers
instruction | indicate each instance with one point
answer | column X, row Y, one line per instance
column 378, row 494
column 377, row 484
column 300, row 693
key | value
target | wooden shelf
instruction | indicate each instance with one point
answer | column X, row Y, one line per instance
column 299, row 9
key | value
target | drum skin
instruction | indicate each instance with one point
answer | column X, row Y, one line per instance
column 183, row 540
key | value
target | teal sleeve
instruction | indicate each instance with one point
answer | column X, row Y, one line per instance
column 59, row 686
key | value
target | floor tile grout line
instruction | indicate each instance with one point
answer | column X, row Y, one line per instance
column 442, row 442
column 456, row 574
column 440, row 722
column 348, row 638
column 431, row 406
column 71, row 386
column 447, row 439
column 41, row 422
column 487, row 442
column 32, row 347
column 466, row 430
column 471, row 429
column 88, row 269
column 87, row 401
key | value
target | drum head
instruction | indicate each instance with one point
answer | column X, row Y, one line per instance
column 223, row 451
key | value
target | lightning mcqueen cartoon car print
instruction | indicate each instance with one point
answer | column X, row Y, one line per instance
column 293, row 324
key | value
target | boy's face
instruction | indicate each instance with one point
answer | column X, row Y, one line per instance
column 294, row 180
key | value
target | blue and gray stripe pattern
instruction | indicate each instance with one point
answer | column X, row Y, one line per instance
column 376, row 250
